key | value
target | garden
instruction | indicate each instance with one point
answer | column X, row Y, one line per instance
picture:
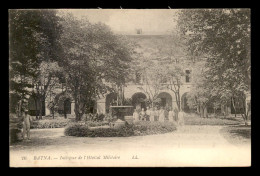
column 136, row 129
column 93, row 125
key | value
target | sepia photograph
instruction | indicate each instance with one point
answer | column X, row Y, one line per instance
column 129, row 87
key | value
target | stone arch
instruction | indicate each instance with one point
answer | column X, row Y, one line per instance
column 110, row 100
column 166, row 99
column 64, row 104
column 138, row 100
column 184, row 103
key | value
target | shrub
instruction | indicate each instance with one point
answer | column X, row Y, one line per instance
column 147, row 127
column 54, row 123
column 95, row 123
column 14, row 135
column 137, row 129
column 81, row 130
column 15, row 126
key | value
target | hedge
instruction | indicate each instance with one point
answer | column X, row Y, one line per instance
column 137, row 129
column 59, row 123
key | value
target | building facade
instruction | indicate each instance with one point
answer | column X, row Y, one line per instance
column 146, row 43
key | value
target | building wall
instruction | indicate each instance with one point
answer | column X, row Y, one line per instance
column 132, row 89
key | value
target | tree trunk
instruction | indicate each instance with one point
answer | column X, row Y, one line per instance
column 64, row 110
column 234, row 106
column 40, row 115
column 178, row 102
column 36, row 108
column 201, row 111
column 77, row 111
column 223, row 111
column 245, row 111
column 20, row 104
column 205, row 112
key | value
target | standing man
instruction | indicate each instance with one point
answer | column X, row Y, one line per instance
column 26, row 125
column 136, row 116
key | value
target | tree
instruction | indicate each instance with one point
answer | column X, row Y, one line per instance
column 32, row 38
column 151, row 85
column 53, row 106
column 223, row 36
column 45, row 82
column 93, row 57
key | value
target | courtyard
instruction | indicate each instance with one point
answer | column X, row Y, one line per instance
column 190, row 145
column 155, row 88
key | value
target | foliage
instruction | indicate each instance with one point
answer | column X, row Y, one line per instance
column 85, row 131
column 151, row 81
column 96, row 124
column 193, row 119
column 15, row 127
column 223, row 37
column 127, row 102
column 147, row 127
column 53, row 123
column 45, row 81
column 92, row 56
column 138, row 129
column 53, row 106
column 33, row 38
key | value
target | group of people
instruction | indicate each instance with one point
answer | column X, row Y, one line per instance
column 156, row 114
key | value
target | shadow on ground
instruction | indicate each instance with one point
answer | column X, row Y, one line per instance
column 237, row 134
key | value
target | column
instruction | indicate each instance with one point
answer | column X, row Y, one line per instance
column 47, row 110
column 72, row 108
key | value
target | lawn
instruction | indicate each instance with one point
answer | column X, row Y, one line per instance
column 194, row 119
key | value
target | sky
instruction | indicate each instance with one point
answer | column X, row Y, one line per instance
column 128, row 20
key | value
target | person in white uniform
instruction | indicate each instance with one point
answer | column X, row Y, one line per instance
column 161, row 115
column 156, row 112
column 181, row 118
column 142, row 114
column 171, row 115
column 152, row 114
column 136, row 116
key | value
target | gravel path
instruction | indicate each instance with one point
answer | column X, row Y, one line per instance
column 188, row 146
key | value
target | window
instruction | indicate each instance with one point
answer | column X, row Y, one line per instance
column 138, row 31
column 187, row 77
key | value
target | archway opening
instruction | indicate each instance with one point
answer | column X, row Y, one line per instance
column 67, row 106
column 184, row 103
column 138, row 101
column 166, row 100
column 64, row 103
